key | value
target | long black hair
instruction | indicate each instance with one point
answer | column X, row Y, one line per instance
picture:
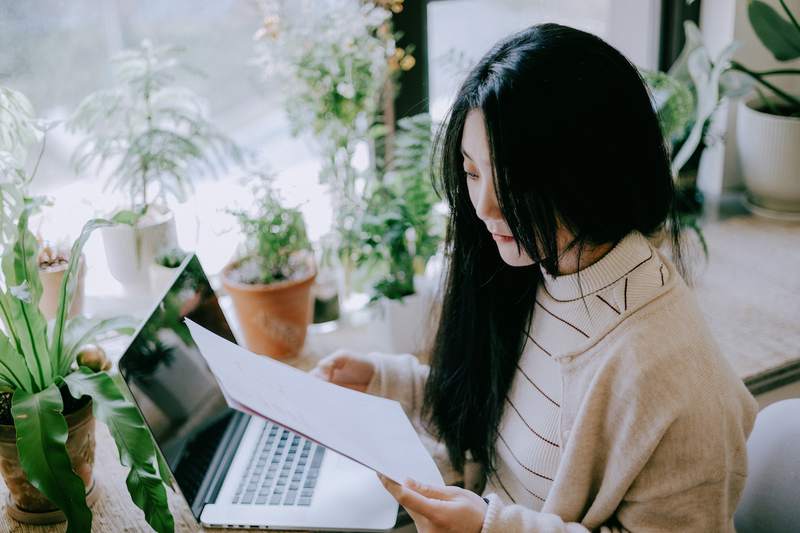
column 575, row 142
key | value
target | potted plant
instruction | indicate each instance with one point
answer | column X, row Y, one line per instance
column 47, row 451
column 768, row 127
column 270, row 282
column 53, row 260
column 686, row 98
column 163, row 268
column 399, row 233
column 335, row 59
column 156, row 138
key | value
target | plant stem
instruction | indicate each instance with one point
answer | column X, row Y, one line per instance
column 794, row 102
column 790, row 15
column 39, row 159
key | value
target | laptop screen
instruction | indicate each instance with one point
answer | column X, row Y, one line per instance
column 172, row 385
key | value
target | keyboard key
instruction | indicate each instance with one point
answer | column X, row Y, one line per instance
column 290, row 497
column 275, row 500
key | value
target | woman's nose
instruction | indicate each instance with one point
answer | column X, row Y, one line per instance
column 488, row 208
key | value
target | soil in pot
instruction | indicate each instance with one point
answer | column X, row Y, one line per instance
column 274, row 317
column 25, row 503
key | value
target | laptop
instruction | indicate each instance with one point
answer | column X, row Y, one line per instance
column 233, row 469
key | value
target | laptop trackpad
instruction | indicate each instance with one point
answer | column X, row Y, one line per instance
column 348, row 496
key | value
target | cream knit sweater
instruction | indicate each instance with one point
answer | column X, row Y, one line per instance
column 652, row 422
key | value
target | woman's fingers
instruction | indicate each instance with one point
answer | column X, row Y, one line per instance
column 413, row 501
column 429, row 491
column 329, row 363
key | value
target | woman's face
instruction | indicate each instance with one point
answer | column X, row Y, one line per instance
column 480, row 182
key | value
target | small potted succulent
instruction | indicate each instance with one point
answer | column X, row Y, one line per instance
column 270, row 282
column 156, row 138
column 53, row 263
column 52, row 393
column 399, row 233
column 163, row 269
column 768, row 125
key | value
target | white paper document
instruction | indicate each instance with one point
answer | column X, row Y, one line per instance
column 370, row 430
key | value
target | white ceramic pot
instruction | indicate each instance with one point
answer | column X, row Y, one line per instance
column 161, row 277
column 769, row 153
column 130, row 250
column 406, row 323
column 51, row 286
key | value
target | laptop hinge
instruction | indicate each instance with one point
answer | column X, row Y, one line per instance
column 221, row 462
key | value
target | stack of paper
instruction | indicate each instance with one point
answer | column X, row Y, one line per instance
column 369, row 430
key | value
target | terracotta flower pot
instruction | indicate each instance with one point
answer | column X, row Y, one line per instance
column 25, row 503
column 274, row 317
column 51, row 285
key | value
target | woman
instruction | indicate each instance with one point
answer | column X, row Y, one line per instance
column 571, row 362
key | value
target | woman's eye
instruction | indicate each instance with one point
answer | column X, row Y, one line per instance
column 471, row 175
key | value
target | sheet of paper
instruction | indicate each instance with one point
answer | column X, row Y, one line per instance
column 369, row 430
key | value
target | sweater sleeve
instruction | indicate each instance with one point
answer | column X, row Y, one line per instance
column 399, row 377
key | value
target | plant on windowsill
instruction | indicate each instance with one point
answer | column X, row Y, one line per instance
column 400, row 232
column 47, row 451
column 19, row 130
column 768, row 127
column 335, row 60
column 686, row 98
column 156, row 139
column 270, row 282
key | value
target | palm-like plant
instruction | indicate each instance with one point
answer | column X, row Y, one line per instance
column 154, row 133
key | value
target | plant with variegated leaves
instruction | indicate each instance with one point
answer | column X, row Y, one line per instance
column 38, row 361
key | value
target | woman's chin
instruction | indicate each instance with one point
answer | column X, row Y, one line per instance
column 510, row 254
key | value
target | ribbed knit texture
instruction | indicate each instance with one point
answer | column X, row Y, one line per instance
column 570, row 311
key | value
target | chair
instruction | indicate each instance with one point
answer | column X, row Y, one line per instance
column 771, row 498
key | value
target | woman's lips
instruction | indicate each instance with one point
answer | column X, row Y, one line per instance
column 502, row 238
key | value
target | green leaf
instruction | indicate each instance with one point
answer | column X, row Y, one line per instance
column 136, row 447
column 12, row 366
column 779, row 35
column 21, row 304
column 81, row 331
column 127, row 217
column 41, row 443
column 67, row 289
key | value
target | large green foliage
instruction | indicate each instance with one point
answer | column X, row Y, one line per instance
column 35, row 360
column 38, row 360
column 781, row 36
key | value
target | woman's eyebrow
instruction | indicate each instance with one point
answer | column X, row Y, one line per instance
column 465, row 154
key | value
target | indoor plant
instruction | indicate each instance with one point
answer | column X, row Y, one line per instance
column 686, row 98
column 270, row 282
column 335, row 59
column 53, row 260
column 19, row 129
column 768, row 127
column 156, row 138
column 399, row 232
column 38, row 368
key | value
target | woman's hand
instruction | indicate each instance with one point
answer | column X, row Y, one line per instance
column 439, row 510
column 347, row 369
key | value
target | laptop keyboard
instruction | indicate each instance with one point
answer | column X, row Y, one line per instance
column 283, row 469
